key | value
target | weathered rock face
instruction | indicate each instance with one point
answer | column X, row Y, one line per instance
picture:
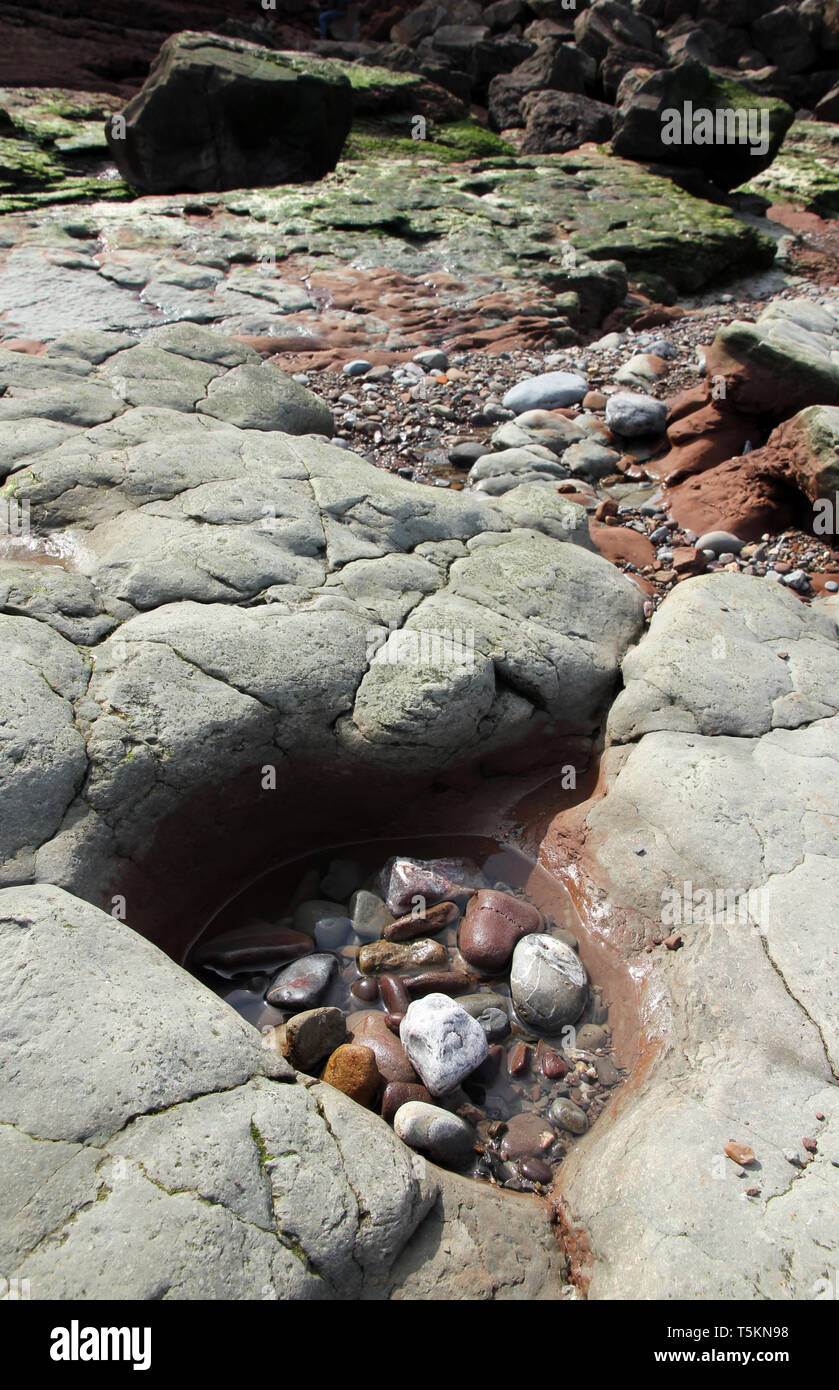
column 728, row 719
column 220, row 113
column 687, row 116
column 175, row 1129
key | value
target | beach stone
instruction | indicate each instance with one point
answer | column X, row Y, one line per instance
column 252, row 949
column 591, row 1036
column 720, row 542
column 332, row 932
column 444, row 1137
column 398, row 1093
column 432, row 359
column 607, row 1072
column 379, row 957
column 309, row 1037
column 491, row 926
column 369, row 915
column 526, row 1136
column 358, row 367
column 352, row 1068
column 546, row 392
column 566, row 1115
column 438, row 982
column 634, row 415
column 308, row 915
column 371, row 1030
column 536, row 1170
column 301, row 985
column 426, row 923
column 548, row 983
column 435, row 881
column 442, row 1041
column 393, row 994
column 494, row 1022
column 476, row 1004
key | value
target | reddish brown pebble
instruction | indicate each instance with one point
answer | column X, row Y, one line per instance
column 492, row 925
column 673, row 942
column 819, row 1115
column 426, row 923
column 552, row 1064
column 352, row 1069
column 365, row 989
column 393, row 994
column 438, row 982
column 393, row 1022
column 397, row 1093
column 752, row 1191
column 810, row 1145
column 740, row 1153
column 536, row 1170
column 518, row 1059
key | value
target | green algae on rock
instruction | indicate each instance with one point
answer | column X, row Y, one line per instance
column 53, row 148
column 805, row 171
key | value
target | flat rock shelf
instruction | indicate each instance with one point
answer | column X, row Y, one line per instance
column 449, row 988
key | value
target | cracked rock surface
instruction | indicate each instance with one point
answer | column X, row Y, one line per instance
column 234, row 1179
column 724, row 771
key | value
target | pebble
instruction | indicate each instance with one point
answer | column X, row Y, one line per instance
column 546, row 392
column 432, row 360
column 793, row 1157
column 352, row 1068
column 371, row 1030
column 633, row 415
column 397, row 1093
column 315, row 910
column 358, row 367
column 518, row 1059
column 299, row 986
column 406, row 879
column 494, row 1022
column 566, row 1115
column 719, row 542
column 475, row 1004
column 369, row 915
column 426, row 923
column 548, row 983
column 607, row 1072
column 492, row 925
column 260, row 948
column 536, row 1170
column 383, row 957
column 308, row 1037
column 526, row 1136
column 393, row 994
column 366, row 990
column 590, row 1037
column 442, row 1041
column 438, row 982
column 552, row 1064
column 740, row 1153
column 446, row 1138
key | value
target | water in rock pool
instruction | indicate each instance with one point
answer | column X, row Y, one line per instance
column 440, row 985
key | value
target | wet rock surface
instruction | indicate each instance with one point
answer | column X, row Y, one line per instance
column 198, row 585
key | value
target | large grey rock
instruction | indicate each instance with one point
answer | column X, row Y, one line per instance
column 731, row 806
column 442, row 1041
column 172, row 1131
column 222, row 113
column 633, row 415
